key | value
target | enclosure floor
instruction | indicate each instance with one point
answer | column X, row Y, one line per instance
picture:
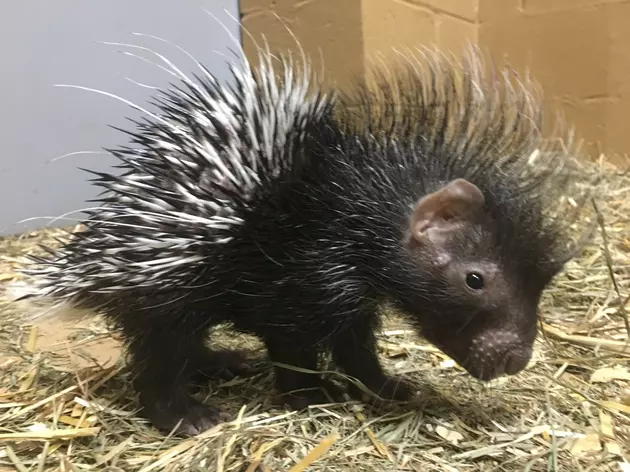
column 66, row 402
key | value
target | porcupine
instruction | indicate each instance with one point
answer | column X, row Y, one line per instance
column 295, row 215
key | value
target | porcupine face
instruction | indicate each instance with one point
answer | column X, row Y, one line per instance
column 479, row 308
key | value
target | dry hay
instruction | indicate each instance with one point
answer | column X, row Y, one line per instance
column 570, row 410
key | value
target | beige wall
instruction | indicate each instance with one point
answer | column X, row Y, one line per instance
column 328, row 29
column 579, row 50
column 395, row 23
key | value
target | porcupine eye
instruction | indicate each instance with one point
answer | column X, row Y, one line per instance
column 474, row 280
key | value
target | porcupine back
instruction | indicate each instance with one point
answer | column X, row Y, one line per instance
column 332, row 195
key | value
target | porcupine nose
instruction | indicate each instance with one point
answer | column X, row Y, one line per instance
column 515, row 360
column 498, row 352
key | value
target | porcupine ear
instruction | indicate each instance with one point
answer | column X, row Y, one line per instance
column 444, row 211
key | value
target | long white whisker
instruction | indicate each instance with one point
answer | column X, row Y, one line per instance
column 76, row 153
column 153, row 63
column 140, row 84
column 173, row 67
column 234, row 39
column 181, row 49
column 119, row 98
column 57, row 217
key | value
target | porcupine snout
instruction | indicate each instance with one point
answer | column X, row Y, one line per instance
column 497, row 352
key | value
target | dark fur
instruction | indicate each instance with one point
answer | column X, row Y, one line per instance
column 325, row 245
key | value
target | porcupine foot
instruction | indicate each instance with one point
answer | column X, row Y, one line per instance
column 355, row 351
column 299, row 389
column 180, row 413
column 164, row 363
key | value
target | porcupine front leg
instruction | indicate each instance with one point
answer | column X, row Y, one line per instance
column 299, row 389
column 355, row 351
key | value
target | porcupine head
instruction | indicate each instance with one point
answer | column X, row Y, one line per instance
column 481, row 310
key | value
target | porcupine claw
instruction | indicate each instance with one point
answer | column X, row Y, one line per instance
column 183, row 414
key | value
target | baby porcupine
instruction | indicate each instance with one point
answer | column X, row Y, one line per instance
column 295, row 215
